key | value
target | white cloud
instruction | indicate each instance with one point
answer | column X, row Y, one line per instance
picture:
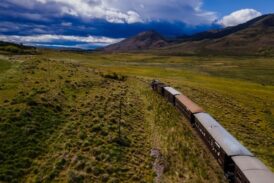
column 187, row 11
column 52, row 38
column 97, row 9
column 124, row 11
column 66, row 24
column 238, row 17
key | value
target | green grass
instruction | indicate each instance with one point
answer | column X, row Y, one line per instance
column 254, row 69
column 4, row 65
column 60, row 115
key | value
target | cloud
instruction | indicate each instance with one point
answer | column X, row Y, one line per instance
column 239, row 17
column 46, row 20
column 116, row 11
column 47, row 39
column 87, row 9
column 66, row 24
column 187, row 11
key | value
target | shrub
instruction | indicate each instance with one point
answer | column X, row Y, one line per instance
column 31, row 102
column 96, row 128
column 114, row 76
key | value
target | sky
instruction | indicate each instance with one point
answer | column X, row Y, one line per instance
column 88, row 24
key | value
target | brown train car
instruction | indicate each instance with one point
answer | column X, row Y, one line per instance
column 187, row 107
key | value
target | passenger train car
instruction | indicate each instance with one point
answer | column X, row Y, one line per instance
column 170, row 94
column 220, row 142
column 250, row 169
column 237, row 162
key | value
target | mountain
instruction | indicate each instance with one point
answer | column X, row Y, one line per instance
column 255, row 37
column 214, row 34
column 142, row 41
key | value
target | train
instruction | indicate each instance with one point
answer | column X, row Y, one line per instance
column 237, row 162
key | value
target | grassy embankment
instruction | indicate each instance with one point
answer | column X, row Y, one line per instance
column 237, row 91
column 60, row 122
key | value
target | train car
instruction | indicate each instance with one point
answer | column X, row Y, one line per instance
column 251, row 170
column 154, row 84
column 220, row 142
column 187, row 107
column 160, row 88
column 170, row 94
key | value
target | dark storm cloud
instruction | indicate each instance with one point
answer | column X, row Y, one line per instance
column 100, row 18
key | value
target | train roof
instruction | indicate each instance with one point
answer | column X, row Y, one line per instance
column 249, row 163
column 230, row 145
column 161, row 84
column 155, row 81
column 172, row 91
column 189, row 104
column 253, row 169
column 207, row 121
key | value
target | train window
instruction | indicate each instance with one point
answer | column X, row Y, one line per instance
column 219, row 161
column 217, row 144
column 239, row 176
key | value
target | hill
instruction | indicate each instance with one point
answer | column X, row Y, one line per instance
column 255, row 37
column 13, row 48
column 214, row 34
column 142, row 41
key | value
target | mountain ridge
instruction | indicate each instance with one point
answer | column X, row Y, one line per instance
column 142, row 41
column 255, row 37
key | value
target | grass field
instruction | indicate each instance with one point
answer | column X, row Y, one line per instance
column 60, row 115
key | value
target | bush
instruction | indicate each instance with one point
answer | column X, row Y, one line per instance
column 114, row 76
column 31, row 102
column 96, row 128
